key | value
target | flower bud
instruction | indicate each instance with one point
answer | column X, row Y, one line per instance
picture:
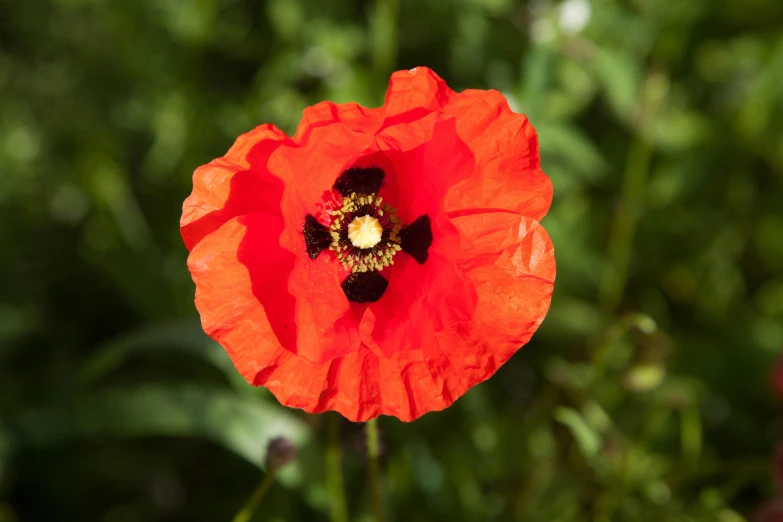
column 279, row 452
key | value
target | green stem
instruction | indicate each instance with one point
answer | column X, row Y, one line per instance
column 383, row 28
column 334, row 472
column 373, row 452
column 250, row 507
column 626, row 220
column 690, row 434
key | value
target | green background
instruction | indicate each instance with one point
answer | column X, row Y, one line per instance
column 645, row 395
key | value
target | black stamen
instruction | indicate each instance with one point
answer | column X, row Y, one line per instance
column 317, row 237
column 417, row 238
column 364, row 287
column 359, row 180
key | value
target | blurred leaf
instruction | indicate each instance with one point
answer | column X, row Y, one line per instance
column 185, row 336
column 578, row 90
column 768, row 239
column 596, row 416
column 572, row 318
column 677, row 129
column 536, row 69
column 620, row 77
column 240, row 424
column 765, row 93
column 587, row 438
column 570, row 375
column 286, row 17
column 14, row 322
column 568, row 143
column 644, row 377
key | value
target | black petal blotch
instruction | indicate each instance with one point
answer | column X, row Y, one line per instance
column 359, row 180
column 316, row 236
column 417, row 238
column 364, row 287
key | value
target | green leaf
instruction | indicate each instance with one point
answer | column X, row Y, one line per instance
column 184, row 336
column 644, row 377
column 677, row 129
column 587, row 438
column 621, row 79
column 571, row 145
column 536, row 72
column 241, row 424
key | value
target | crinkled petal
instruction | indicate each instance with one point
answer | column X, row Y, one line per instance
column 236, row 184
column 348, row 384
column 510, row 261
column 315, row 164
column 257, row 298
column 508, row 172
column 413, row 94
column 427, row 158
column 469, row 309
column 242, row 281
column 506, row 255
column 326, row 113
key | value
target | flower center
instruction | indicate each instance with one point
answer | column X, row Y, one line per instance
column 365, row 233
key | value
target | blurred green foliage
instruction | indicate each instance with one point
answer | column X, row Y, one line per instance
column 645, row 395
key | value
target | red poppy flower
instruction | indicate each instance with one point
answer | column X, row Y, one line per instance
column 380, row 261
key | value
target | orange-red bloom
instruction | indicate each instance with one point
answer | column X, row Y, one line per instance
column 336, row 300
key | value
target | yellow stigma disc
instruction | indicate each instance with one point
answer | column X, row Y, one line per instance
column 364, row 232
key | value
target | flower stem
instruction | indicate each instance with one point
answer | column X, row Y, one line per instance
column 250, row 507
column 632, row 198
column 373, row 451
column 383, row 30
column 334, row 472
column 626, row 221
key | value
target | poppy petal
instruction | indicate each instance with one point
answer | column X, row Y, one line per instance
column 315, row 164
column 510, row 261
column 466, row 311
column 427, row 158
column 508, row 173
column 256, row 296
column 233, row 185
column 326, row 113
column 413, row 94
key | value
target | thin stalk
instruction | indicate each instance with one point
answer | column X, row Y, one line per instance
column 626, row 221
column 373, row 452
column 632, row 198
column 338, row 512
column 249, row 509
column 383, row 30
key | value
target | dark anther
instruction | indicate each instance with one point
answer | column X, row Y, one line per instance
column 316, row 236
column 361, row 181
column 364, row 287
column 417, row 238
